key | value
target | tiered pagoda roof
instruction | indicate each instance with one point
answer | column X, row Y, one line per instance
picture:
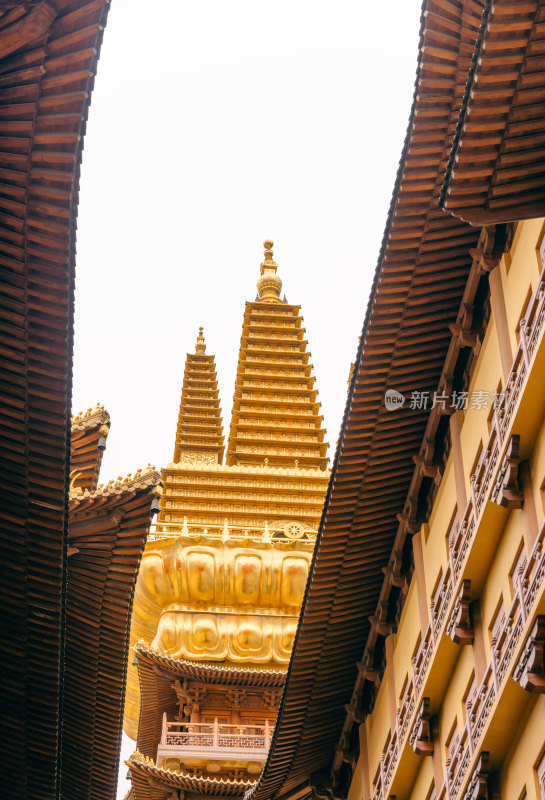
column 152, row 783
column 230, row 552
column 276, row 416
column 199, row 431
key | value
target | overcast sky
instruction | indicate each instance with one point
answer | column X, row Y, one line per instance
column 214, row 126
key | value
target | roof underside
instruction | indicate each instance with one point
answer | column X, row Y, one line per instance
column 497, row 167
column 48, row 58
column 421, row 275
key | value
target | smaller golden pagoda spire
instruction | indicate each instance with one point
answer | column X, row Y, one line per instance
column 200, row 346
column 269, row 284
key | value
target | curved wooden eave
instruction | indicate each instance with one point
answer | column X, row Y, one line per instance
column 107, row 534
column 210, row 672
column 151, row 782
column 87, row 444
column 496, row 170
column 49, row 53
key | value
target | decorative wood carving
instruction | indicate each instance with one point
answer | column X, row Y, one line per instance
column 506, row 491
column 421, row 735
column 459, row 626
column 530, row 669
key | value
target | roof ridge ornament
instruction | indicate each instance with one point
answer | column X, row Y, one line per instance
column 269, row 284
column 200, row 346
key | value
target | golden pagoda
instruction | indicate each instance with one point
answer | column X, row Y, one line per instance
column 223, row 575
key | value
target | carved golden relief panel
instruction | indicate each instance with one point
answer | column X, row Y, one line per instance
column 235, row 638
column 173, row 572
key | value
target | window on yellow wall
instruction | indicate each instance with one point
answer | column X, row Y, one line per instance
column 495, row 407
column 377, row 777
column 496, row 627
column 452, row 531
column 403, row 688
column 517, row 569
column 476, row 459
column 540, row 770
column 541, row 249
column 452, row 740
column 470, row 694
column 523, row 312
column 431, row 791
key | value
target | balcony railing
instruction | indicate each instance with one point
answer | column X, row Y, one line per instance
column 214, row 741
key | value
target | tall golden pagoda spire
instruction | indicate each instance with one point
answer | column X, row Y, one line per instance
column 199, row 434
column 276, row 416
column 224, row 572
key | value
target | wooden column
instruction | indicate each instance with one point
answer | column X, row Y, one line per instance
column 390, row 677
column 423, row 608
column 497, row 301
column 437, row 757
column 458, row 462
column 364, row 757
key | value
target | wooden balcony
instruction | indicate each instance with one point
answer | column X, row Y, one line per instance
column 213, row 742
column 527, row 588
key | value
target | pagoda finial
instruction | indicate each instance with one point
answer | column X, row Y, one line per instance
column 200, row 347
column 269, row 284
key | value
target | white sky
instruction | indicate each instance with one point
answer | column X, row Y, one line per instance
column 213, row 126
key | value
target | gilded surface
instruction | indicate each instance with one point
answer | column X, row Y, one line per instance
column 224, row 572
column 237, row 638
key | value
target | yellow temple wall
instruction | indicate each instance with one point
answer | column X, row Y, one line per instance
column 513, row 731
column 424, row 778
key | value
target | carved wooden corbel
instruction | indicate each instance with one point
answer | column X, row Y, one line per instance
column 463, row 329
column 367, row 669
column 394, row 570
column 421, row 738
column 506, row 491
column 530, row 669
column 409, row 517
column 459, row 626
column 493, row 241
column 320, row 784
column 380, row 620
